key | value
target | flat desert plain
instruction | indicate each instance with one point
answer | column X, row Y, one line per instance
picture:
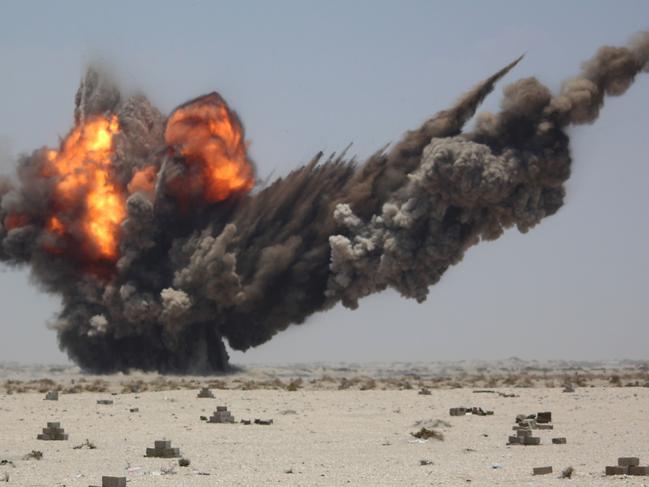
column 324, row 432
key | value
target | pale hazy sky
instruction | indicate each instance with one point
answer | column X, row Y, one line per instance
column 306, row 76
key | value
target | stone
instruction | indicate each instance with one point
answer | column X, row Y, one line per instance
column 638, row 470
column 616, row 470
column 559, row 441
column 541, row 470
column 628, row 461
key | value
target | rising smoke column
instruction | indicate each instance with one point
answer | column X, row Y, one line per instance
column 147, row 228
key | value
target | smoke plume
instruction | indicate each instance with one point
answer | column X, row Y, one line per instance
column 149, row 229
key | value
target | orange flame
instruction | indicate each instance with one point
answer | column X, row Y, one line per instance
column 15, row 220
column 143, row 181
column 210, row 138
column 84, row 189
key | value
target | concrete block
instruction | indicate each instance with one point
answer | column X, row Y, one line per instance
column 559, row 441
column 544, row 417
column 53, row 425
column 532, row 440
column 52, row 396
column 162, row 444
column 544, row 426
column 113, row 481
column 541, row 470
column 221, row 408
column 637, row 470
column 151, row 452
column 105, row 401
column 628, row 461
column 205, row 393
column 616, row 470
column 457, row 411
column 514, row 440
column 524, row 433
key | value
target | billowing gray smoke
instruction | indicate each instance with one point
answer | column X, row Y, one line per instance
column 194, row 265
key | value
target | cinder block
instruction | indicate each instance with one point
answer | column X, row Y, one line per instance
column 161, row 444
column 532, row 440
column 616, row 470
column 113, row 481
column 628, row 461
column 544, row 417
column 559, row 441
column 524, row 433
column 637, row 470
column 541, row 470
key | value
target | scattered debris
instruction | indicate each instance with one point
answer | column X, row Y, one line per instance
column 170, row 470
column 568, row 388
column 246, row 421
column 567, row 473
column 431, row 423
column 424, row 392
column 86, row 444
column 505, row 394
column 221, row 415
column 425, row 433
column 484, row 391
column 107, row 402
column 425, row 462
column 203, row 418
column 134, row 410
column 205, row 392
column 541, row 470
column 462, row 411
column 288, row 411
column 184, row 462
column 264, row 422
column 53, row 432
column 163, row 449
column 4, row 477
column 34, row 454
column 7, row 462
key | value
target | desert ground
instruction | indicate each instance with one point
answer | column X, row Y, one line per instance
column 337, row 424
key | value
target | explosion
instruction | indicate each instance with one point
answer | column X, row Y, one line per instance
column 147, row 227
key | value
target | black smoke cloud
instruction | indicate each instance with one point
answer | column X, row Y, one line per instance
column 331, row 231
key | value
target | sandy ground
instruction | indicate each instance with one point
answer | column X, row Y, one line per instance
column 324, row 438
